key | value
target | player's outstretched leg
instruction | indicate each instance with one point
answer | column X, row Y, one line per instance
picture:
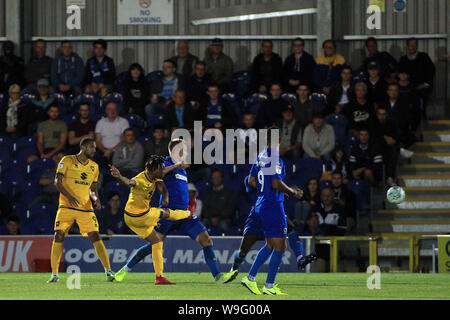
column 247, row 243
column 205, row 241
column 297, row 247
column 102, row 254
column 250, row 281
column 56, row 253
column 140, row 254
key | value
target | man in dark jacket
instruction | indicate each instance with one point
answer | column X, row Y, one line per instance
column 157, row 144
column 270, row 111
column 376, row 85
column 267, row 68
column 179, row 114
column 38, row 67
column 298, row 67
column 421, row 69
column 342, row 92
column 197, row 85
column 345, row 198
column 217, row 112
column 135, row 90
column 11, row 68
column 383, row 59
column 219, row 65
column 331, row 215
column 100, row 69
column 290, row 135
column 67, row 72
column 184, row 60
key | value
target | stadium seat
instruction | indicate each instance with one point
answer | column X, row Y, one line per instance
column 6, row 145
column 143, row 140
column 19, row 209
column 289, row 166
column 5, row 161
column 320, row 99
column 25, row 143
column 362, row 192
column 305, row 169
column 70, row 118
column 155, row 120
column 136, row 121
column 153, row 75
column 37, row 167
column 32, row 187
column 214, row 231
column 14, row 181
column 254, row 102
column 115, row 97
column 115, row 186
column 234, row 231
column 235, row 103
column 43, row 210
column 325, row 183
column 289, row 98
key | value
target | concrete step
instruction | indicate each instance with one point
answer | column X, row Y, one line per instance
column 433, row 146
column 423, row 225
column 438, row 122
column 424, row 180
column 425, row 168
column 427, row 190
column 436, row 135
column 416, row 211
column 426, row 203
column 430, row 158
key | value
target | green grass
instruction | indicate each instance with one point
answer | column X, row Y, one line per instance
column 195, row 286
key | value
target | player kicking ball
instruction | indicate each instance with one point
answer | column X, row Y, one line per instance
column 176, row 181
column 266, row 176
column 76, row 180
column 139, row 217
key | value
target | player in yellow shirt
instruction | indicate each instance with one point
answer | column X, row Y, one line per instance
column 139, row 216
column 76, row 180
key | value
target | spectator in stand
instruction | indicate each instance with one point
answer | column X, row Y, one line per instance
column 218, row 209
column 291, row 135
column 179, row 114
column 129, row 156
column 384, row 60
column 163, row 88
column 339, row 162
column 197, row 171
column 270, row 110
column 305, row 107
column 184, row 60
column 219, row 65
column 403, row 113
column 217, row 112
column 135, row 90
column 377, row 86
column 81, row 129
column 339, row 122
column 13, row 226
column 328, row 68
column 345, row 198
column 319, row 139
column 247, row 135
column 51, row 134
column 267, row 68
column 41, row 102
column 342, row 92
column 421, row 68
column 100, row 69
column 109, row 132
column 11, row 67
column 197, row 84
column 49, row 192
column 158, row 144
column 14, row 115
column 111, row 218
column 366, row 160
column 38, row 67
column 67, row 72
column 311, row 198
column 386, row 133
column 332, row 219
column 5, row 206
column 360, row 111
column 195, row 205
column 408, row 93
column 298, row 67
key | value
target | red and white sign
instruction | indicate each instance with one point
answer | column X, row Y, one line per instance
column 24, row 254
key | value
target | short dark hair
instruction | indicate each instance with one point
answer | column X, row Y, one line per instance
column 84, row 104
column 200, row 62
column 347, row 67
column 411, row 39
column 329, row 41
column 86, row 141
column 129, row 129
column 101, row 42
column 267, row 40
column 154, row 163
column 158, row 127
column 14, row 218
column 364, row 129
column 339, row 172
column 172, row 62
column 304, row 84
column 395, row 84
column 39, row 40
column 298, row 39
column 53, row 106
column 276, row 83
column 220, row 171
column 113, row 194
column 370, row 39
column 213, row 85
column 65, row 41
column 318, row 114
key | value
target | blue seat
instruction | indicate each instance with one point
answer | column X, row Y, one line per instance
column 254, row 102
column 20, row 210
column 43, row 210
column 6, row 145
column 306, row 169
column 26, row 143
column 135, row 121
column 214, row 232
column 32, row 187
column 26, row 197
column 289, row 98
column 235, row 103
column 6, row 161
column 153, row 75
column 234, row 231
column 320, row 99
column 40, row 165
column 15, row 181
column 70, row 118
column 155, row 120
column 362, row 192
column 289, row 166
column 325, row 183
column 240, row 82
column 350, row 143
column 115, row 186
column 143, row 140
column 115, row 97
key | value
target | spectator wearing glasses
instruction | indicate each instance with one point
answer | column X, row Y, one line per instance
column 267, row 68
column 298, row 67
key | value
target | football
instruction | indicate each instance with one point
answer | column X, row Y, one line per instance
column 396, row 195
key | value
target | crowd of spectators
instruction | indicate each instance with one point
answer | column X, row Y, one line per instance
column 354, row 125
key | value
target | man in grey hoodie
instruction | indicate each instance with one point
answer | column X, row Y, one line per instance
column 67, row 70
column 319, row 138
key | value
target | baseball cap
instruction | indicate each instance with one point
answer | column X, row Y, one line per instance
column 217, row 42
column 288, row 108
column 43, row 83
column 373, row 65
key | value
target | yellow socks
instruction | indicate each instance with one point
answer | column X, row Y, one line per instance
column 158, row 259
column 178, row 214
column 57, row 250
column 102, row 254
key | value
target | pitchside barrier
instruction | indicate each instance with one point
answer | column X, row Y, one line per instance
column 181, row 254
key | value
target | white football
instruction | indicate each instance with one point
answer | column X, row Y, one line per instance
column 396, row 195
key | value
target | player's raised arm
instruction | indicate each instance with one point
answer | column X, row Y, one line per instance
column 279, row 185
column 59, row 185
column 180, row 165
column 123, row 180
column 164, row 192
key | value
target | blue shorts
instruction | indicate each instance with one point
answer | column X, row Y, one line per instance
column 273, row 219
column 190, row 227
column 253, row 225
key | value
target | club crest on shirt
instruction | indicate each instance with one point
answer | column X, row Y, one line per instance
column 61, row 165
column 278, row 168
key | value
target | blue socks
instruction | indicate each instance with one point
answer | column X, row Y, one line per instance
column 237, row 261
column 296, row 244
column 274, row 265
column 211, row 260
column 261, row 258
column 140, row 254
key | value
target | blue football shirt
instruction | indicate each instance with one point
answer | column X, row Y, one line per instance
column 176, row 182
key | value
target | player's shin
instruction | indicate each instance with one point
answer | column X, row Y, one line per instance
column 158, row 259
column 274, row 264
column 295, row 244
column 140, row 254
column 211, row 261
column 57, row 250
column 237, row 261
column 261, row 258
column 102, row 254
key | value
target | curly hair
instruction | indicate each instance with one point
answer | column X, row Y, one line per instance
column 154, row 163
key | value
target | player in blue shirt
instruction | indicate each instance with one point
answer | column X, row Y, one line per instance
column 176, row 182
column 266, row 176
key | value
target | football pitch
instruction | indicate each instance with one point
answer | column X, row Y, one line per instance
column 200, row 286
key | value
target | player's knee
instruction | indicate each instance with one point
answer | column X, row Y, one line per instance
column 205, row 240
column 94, row 236
column 59, row 236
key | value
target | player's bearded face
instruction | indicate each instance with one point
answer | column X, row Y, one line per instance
column 90, row 150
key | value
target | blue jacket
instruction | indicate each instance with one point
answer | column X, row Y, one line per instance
column 68, row 71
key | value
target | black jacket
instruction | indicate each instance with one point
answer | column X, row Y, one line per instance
column 302, row 71
column 189, row 116
column 188, row 64
column 421, row 69
column 196, row 88
column 136, row 95
column 270, row 111
column 346, row 199
column 266, row 73
column 108, row 74
column 385, row 61
column 336, row 93
column 377, row 92
column 11, row 72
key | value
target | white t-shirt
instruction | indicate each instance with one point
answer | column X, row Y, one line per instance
column 344, row 97
column 111, row 132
